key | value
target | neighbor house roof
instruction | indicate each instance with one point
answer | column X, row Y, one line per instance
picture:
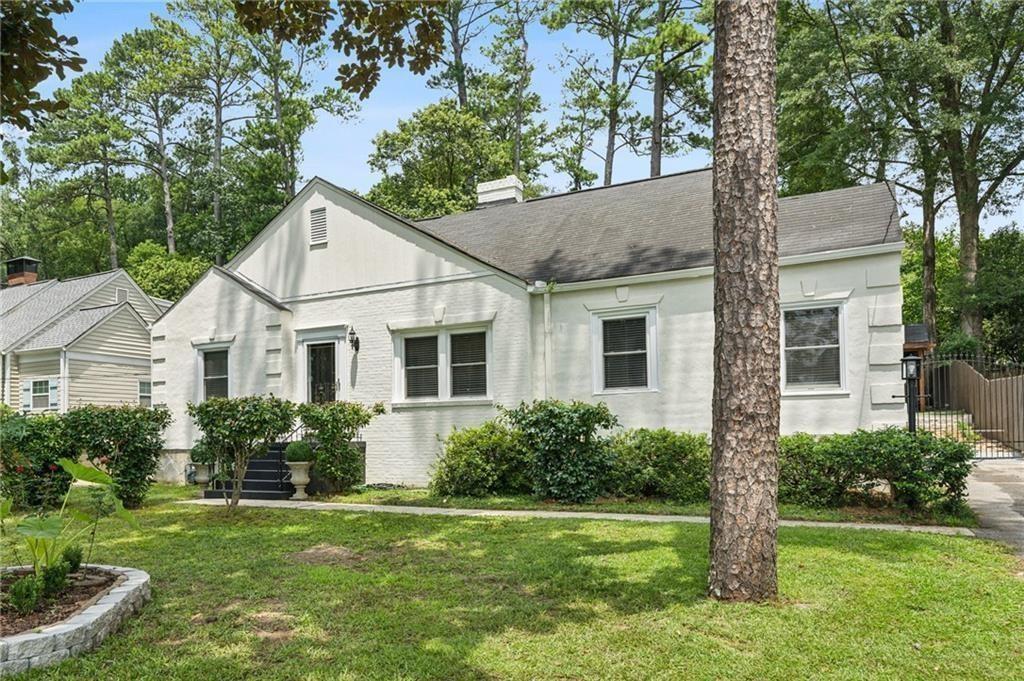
column 654, row 225
column 43, row 305
column 69, row 328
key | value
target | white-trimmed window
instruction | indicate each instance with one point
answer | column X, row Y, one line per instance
column 812, row 348
column 145, row 392
column 625, row 350
column 449, row 364
column 40, row 394
column 215, row 373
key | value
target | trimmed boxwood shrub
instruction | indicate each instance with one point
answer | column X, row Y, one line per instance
column 817, row 471
column 571, row 459
column 660, row 463
column 488, row 459
column 30, row 450
column 298, row 452
column 919, row 469
column 123, row 441
column 333, row 426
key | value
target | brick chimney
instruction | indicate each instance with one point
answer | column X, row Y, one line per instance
column 23, row 270
column 498, row 192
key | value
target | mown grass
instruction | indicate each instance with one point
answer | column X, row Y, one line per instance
column 962, row 517
column 506, row 598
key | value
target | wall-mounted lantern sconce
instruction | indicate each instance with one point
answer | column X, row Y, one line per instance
column 353, row 339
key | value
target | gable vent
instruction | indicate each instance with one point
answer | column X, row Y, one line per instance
column 318, row 226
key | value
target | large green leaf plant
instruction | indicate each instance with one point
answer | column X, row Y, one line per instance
column 46, row 535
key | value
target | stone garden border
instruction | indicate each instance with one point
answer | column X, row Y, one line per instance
column 81, row 632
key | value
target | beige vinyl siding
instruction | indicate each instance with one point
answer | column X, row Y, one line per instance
column 107, row 295
column 13, row 396
column 104, row 383
column 121, row 335
column 28, row 367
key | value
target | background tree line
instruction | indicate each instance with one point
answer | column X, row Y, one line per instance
column 187, row 138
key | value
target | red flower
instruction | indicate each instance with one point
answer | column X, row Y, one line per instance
column 19, row 469
column 53, row 467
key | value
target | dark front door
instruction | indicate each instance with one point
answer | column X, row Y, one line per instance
column 322, row 375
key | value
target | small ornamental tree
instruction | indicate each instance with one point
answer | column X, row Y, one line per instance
column 236, row 428
column 333, row 426
column 124, row 441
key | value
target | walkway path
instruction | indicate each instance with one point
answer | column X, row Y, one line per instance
column 587, row 515
column 995, row 491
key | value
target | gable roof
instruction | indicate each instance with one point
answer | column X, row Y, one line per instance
column 73, row 326
column 414, row 226
column 654, row 225
column 43, row 306
column 235, row 278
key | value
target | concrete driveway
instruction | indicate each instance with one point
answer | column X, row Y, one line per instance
column 996, row 494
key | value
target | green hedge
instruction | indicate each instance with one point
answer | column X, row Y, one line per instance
column 558, row 451
column 659, row 463
column 332, row 426
column 488, row 459
column 30, row 448
column 124, row 441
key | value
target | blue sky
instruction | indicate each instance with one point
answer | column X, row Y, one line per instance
column 338, row 150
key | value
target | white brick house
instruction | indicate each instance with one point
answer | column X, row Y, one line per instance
column 456, row 315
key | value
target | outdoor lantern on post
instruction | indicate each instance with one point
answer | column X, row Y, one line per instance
column 910, row 370
column 353, row 339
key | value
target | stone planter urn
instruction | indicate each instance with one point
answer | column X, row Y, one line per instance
column 300, row 477
column 202, row 473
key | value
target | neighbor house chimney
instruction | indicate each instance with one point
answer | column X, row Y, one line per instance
column 23, row 270
column 497, row 192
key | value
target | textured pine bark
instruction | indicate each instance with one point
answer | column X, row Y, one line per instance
column 745, row 399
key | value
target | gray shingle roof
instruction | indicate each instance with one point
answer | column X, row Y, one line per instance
column 12, row 296
column 42, row 306
column 653, row 225
column 70, row 327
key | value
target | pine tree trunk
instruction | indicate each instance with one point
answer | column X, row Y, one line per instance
column 658, row 112
column 929, row 297
column 108, row 208
column 165, row 183
column 745, row 399
column 613, row 117
column 218, row 142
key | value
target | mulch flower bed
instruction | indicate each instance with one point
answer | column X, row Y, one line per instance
column 84, row 587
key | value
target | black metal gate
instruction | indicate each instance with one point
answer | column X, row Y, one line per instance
column 974, row 399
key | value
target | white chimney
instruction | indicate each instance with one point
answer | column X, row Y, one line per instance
column 496, row 192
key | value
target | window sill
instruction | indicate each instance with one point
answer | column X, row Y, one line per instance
column 625, row 391
column 430, row 404
column 815, row 393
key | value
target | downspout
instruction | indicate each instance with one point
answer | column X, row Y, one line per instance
column 6, row 360
column 65, row 388
column 547, row 337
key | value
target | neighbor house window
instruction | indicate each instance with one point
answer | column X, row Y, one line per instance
column 624, row 350
column 446, row 365
column 812, row 355
column 146, row 393
column 215, row 373
column 40, row 395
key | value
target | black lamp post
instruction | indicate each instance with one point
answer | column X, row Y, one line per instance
column 910, row 370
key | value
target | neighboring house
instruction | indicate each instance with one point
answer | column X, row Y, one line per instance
column 64, row 343
column 603, row 294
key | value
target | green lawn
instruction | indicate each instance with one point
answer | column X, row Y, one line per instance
column 422, row 497
column 493, row 598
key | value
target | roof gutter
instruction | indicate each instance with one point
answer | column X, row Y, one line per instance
column 708, row 270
